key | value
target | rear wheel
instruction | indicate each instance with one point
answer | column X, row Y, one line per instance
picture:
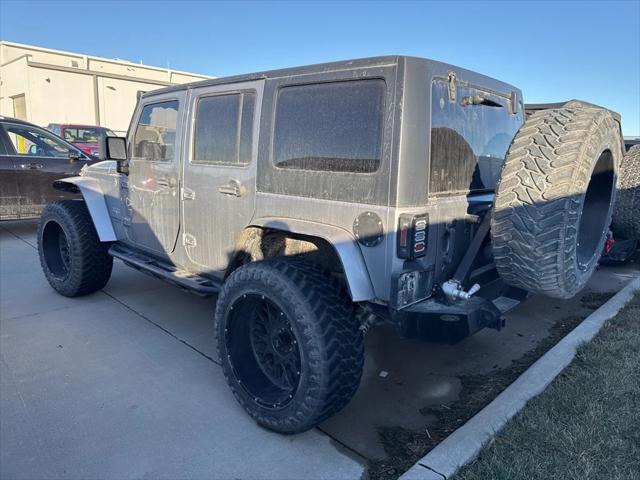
column 73, row 259
column 289, row 343
column 554, row 200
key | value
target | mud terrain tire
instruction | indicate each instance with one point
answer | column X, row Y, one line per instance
column 554, row 200
column 314, row 317
column 626, row 213
column 73, row 259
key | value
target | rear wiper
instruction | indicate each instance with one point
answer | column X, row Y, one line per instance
column 479, row 100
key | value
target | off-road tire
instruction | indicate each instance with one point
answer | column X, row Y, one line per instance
column 561, row 162
column 626, row 213
column 323, row 321
column 89, row 264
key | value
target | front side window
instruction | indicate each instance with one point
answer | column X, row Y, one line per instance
column 223, row 130
column 155, row 134
column 29, row 141
column 334, row 127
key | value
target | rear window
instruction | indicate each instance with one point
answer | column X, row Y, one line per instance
column 224, row 129
column 334, row 127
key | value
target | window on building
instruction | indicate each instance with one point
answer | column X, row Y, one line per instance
column 19, row 107
column 155, row 134
column 330, row 126
column 223, row 130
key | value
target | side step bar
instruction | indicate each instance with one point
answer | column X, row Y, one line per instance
column 187, row 280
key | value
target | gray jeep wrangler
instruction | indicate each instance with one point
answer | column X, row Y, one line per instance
column 317, row 201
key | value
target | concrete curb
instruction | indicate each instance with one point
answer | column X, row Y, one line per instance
column 463, row 445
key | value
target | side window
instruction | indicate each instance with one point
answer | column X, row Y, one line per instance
column 29, row 141
column 334, row 127
column 155, row 134
column 223, row 129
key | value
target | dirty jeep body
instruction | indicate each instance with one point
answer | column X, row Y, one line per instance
column 375, row 179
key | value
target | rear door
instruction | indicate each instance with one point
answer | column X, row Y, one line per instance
column 39, row 158
column 219, row 171
column 153, row 200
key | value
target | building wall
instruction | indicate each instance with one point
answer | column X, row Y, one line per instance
column 64, row 87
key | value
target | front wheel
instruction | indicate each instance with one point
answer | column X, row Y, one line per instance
column 289, row 343
column 73, row 259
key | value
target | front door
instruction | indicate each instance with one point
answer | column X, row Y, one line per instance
column 220, row 171
column 152, row 197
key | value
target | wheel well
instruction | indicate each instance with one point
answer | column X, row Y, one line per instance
column 65, row 186
column 258, row 243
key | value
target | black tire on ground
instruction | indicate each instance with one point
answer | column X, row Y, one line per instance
column 73, row 259
column 289, row 342
column 554, row 200
column 626, row 213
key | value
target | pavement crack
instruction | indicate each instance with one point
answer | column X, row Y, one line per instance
column 155, row 324
column 344, row 446
column 19, row 238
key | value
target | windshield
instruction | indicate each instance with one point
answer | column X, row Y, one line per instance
column 86, row 134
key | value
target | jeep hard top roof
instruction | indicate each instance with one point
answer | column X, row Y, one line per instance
column 320, row 68
column 389, row 60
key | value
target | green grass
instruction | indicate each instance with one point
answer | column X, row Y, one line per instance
column 586, row 425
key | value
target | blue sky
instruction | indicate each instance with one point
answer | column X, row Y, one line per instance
column 551, row 50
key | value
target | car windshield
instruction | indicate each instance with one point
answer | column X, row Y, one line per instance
column 86, row 134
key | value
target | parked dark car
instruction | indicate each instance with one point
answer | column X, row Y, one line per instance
column 85, row 137
column 31, row 159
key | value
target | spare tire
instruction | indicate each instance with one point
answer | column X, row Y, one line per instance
column 554, row 200
column 626, row 213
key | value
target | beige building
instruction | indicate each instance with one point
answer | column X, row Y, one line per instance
column 49, row 86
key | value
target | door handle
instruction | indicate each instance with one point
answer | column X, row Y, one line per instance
column 233, row 188
column 31, row 166
column 166, row 182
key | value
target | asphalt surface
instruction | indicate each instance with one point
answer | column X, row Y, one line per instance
column 124, row 383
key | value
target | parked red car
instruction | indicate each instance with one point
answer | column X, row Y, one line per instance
column 85, row 137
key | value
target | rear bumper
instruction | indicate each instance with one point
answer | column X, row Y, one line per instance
column 435, row 321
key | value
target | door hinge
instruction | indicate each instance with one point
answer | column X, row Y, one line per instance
column 188, row 194
column 452, row 86
column 188, row 240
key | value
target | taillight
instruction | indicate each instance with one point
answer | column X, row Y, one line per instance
column 412, row 235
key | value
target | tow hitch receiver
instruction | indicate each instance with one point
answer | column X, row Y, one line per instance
column 436, row 322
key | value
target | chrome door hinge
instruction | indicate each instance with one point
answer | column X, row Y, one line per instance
column 188, row 240
column 188, row 194
column 452, row 86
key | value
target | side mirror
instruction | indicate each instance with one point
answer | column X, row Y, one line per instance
column 115, row 148
column 74, row 155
